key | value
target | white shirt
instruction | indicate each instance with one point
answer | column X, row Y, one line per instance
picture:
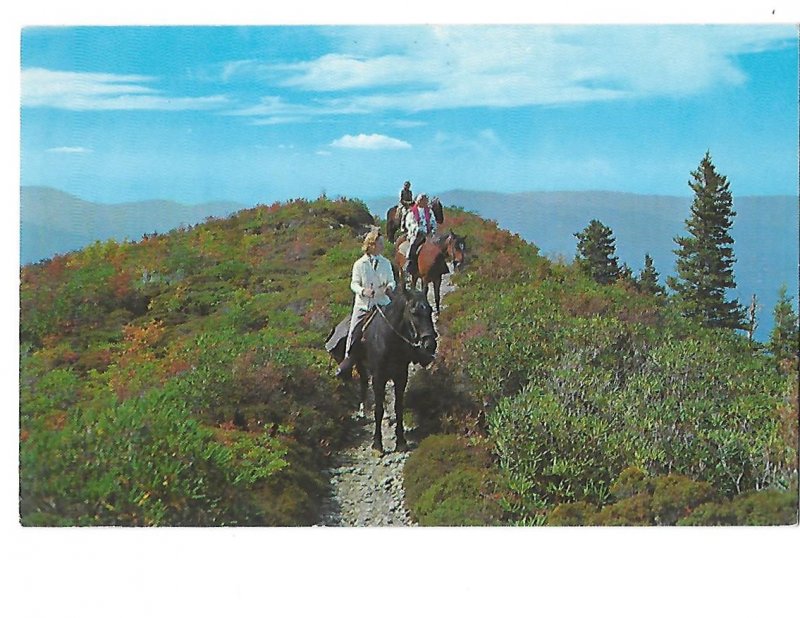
column 413, row 226
column 376, row 275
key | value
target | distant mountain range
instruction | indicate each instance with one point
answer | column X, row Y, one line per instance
column 765, row 228
column 765, row 231
column 52, row 221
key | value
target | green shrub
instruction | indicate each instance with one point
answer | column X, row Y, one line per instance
column 145, row 461
column 450, row 481
column 293, row 495
column 572, row 514
column 633, row 511
column 631, row 481
column 460, row 498
column 771, row 507
column 440, row 403
column 711, row 514
column 436, row 457
column 766, row 508
column 674, row 497
column 552, row 453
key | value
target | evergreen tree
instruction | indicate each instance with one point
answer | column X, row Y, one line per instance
column 705, row 257
column 784, row 339
column 596, row 252
column 648, row 278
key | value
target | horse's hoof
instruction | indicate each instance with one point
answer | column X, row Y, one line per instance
column 378, row 448
column 401, row 447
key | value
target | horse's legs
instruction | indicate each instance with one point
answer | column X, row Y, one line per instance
column 400, row 382
column 363, row 378
column 379, row 388
column 437, row 284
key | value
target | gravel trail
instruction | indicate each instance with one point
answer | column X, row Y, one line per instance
column 367, row 488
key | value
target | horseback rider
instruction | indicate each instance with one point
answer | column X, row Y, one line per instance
column 406, row 202
column 420, row 222
column 371, row 280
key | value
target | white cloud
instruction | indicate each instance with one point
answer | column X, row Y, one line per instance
column 374, row 141
column 323, row 153
column 103, row 91
column 419, row 69
column 70, row 150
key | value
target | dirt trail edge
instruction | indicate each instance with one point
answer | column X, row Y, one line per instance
column 367, row 489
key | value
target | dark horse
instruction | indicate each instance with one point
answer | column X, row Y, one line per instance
column 397, row 335
column 431, row 264
column 393, row 224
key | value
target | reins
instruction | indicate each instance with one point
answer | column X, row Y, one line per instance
column 396, row 332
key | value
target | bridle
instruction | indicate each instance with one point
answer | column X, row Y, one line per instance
column 416, row 342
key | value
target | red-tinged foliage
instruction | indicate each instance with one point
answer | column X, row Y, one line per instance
column 56, row 421
column 585, row 304
column 121, row 284
column 141, row 339
column 175, row 366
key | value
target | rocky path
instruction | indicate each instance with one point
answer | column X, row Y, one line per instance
column 366, row 488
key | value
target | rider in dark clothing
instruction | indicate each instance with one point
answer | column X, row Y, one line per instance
column 406, row 201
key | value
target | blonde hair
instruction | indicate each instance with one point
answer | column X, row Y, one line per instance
column 370, row 241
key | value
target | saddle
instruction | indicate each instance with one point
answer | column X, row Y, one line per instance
column 402, row 244
column 336, row 343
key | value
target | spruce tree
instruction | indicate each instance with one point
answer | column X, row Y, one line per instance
column 705, row 258
column 596, row 252
column 648, row 278
column 784, row 339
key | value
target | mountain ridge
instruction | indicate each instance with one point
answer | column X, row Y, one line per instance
column 766, row 247
column 54, row 221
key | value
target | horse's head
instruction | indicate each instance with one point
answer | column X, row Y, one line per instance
column 418, row 314
column 457, row 249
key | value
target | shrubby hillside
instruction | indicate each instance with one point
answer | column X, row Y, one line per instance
column 181, row 380
column 571, row 387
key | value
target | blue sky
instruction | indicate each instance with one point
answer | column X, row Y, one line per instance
column 251, row 114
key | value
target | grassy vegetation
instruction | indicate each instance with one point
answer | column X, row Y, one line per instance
column 181, row 380
column 573, row 383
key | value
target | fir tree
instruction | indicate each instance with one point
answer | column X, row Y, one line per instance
column 784, row 340
column 596, row 252
column 648, row 278
column 705, row 258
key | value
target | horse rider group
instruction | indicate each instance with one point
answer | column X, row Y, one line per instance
column 372, row 279
column 417, row 221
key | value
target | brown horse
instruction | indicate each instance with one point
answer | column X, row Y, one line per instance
column 393, row 224
column 454, row 247
column 432, row 265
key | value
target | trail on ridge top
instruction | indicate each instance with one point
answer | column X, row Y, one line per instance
column 367, row 489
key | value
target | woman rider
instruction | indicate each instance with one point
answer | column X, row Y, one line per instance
column 420, row 222
column 372, row 277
